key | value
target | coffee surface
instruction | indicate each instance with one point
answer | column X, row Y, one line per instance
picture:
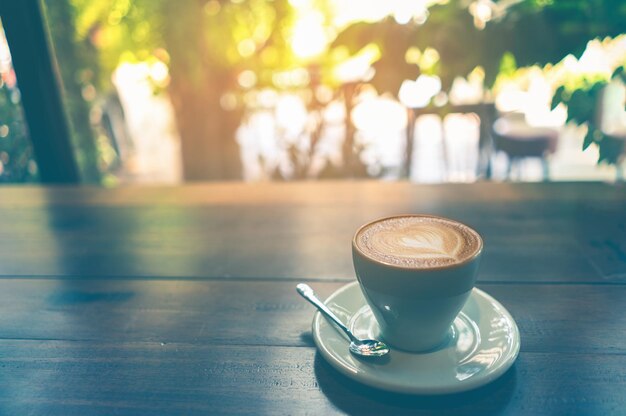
column 418, row 241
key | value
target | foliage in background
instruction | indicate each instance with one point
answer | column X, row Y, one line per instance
column 497, row 37
column 208, row 45
column 16, row 153
column 582, row 98
column 531, row 31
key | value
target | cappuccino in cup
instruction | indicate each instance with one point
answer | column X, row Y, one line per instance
column 416, row 272
column 418, row 241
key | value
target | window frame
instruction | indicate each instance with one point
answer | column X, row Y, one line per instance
column 38, row 82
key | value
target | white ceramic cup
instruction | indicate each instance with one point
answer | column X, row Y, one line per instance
column 415, row 307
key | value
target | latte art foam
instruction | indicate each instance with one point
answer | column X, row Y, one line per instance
column 418, row 241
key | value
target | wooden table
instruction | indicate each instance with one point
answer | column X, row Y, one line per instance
column 152, row 300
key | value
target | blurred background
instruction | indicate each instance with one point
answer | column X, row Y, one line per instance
column 158, row 91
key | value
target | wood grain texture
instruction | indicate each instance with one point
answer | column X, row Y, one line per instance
column 552, row 318
column 77, row 378
column 532, row 232
column 182, row 300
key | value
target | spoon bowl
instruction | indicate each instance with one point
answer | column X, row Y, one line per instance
column 368, row 348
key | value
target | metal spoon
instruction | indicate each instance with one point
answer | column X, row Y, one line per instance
column 360, row 347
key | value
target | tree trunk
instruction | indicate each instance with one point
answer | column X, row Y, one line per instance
column 207, row 132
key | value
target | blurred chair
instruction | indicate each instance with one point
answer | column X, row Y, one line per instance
column 518, row 140
column 485, row 111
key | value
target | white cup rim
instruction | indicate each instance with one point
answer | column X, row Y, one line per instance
column 471, row 258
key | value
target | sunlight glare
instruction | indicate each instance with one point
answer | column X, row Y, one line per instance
column 309, row 38
column 159, row 73
column 291, row 113
column 466, row 91
column 404, row 11
column 482, row 10
column 246, row 48
column 301, row 4
column 367, row 11
column 247, row 79
column 594, row 59
column 379, row 115
column 359, row 67
column 417, row 94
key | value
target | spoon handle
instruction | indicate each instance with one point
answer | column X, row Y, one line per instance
column 307, row 292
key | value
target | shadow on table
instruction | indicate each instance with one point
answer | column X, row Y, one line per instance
column 355, row 398
column 307, row 338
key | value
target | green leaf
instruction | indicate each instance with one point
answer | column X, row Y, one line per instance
column 610, row 149
column 581, row 106
column 619, row 72
column 557, row 98
column 589, row 137
column 508, row 65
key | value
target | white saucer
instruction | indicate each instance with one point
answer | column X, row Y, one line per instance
column 484, row 343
